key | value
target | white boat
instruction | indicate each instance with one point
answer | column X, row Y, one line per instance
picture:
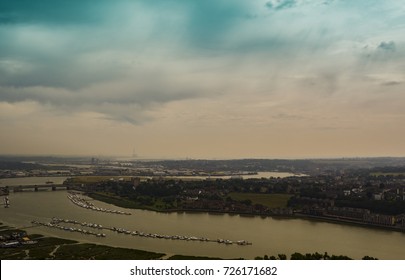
column 6, row 202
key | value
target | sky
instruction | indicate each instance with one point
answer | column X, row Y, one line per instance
column 205, row 79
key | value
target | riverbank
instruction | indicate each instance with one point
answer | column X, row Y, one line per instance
column 124, row 203
column 121, row 202
column 22, row 246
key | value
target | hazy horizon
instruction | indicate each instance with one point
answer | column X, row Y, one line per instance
column 131, row 158
column 211, row 79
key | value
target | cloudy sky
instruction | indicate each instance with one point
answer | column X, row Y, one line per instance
column 203, row 78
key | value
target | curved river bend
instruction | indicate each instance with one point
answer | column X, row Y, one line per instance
column 269, row 236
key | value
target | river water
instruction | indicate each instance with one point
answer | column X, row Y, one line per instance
column 269, row 236
column 259, row 175
column 58, row 180
column 26, row 181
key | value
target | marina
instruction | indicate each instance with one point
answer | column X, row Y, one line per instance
column 55, row 225
column 82, row 202
column 58, row 223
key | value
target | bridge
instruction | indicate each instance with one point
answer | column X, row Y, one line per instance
column 47, row 187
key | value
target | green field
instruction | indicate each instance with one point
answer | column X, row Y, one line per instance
column 157, row 204
column 115, row 200
column 269, row 200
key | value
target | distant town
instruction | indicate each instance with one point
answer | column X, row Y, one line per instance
column 362, row 191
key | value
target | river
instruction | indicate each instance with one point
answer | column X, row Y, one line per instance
column 269, row 235
column 258, row 175
column 27, row 181
column 58, row 180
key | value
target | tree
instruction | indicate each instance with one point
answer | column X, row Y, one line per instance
column 369, row 258
column 282, row 256
column 297, row 256
column 247, row 202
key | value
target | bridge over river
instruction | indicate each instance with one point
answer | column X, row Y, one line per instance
column 46, row 187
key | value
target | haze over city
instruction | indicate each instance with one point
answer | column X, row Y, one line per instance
column 202, row 79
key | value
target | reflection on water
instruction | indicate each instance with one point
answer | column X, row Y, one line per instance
column 269, row 236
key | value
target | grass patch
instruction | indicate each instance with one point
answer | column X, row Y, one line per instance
column 41, row 253
column 52, row 241
column 269, row 200
column 72, row 250
column 12, row 254
column 38, row 251
column 116, row 200
column 158, row 205
column 75, row 251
